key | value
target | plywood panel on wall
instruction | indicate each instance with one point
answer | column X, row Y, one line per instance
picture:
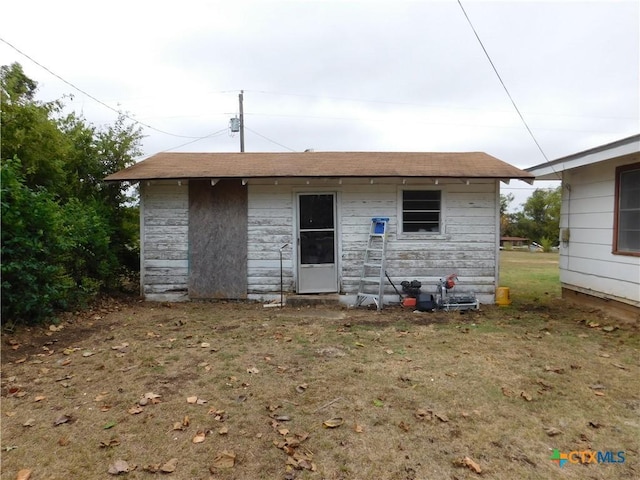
column 217, row 239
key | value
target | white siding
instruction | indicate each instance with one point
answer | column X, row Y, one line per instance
column 467, row 245
column 587, row 263
column 164, row 225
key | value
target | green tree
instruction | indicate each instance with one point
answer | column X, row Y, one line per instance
column 65, row 232
column 539, row 219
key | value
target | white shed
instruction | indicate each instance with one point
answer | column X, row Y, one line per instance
column 214, row 225
column 600, row 224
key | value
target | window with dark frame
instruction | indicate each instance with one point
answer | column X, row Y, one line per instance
column 421, row 211
column 626, row 234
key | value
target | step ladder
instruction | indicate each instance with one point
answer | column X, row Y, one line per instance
column 373, row 269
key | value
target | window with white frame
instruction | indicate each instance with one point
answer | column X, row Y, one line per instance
column 626, row 232
column 421, row 211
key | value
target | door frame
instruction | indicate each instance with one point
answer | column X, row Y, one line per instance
column 337, row 232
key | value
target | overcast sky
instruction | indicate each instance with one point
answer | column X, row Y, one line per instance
column 388, row 75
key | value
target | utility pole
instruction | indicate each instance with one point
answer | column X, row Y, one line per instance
column 241, row 122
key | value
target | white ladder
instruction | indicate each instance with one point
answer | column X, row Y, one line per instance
column 373, row 269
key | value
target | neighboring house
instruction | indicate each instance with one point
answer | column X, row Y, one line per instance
column 600, row 224
column 214, row 225
column 517, row 243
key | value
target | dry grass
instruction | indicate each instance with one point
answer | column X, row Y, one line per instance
column 417, row 392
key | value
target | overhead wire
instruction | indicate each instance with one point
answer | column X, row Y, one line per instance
column 269, row 139
column 502, row 83
column 119, row 112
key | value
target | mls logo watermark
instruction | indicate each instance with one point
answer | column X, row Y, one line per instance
column 587, row 456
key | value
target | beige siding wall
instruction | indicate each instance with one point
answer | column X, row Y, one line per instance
column 586, row 262
column 164, row 224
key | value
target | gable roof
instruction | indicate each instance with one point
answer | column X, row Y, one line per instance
column 319, row 164
column 553, row 170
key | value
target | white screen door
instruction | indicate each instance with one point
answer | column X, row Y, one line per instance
column 317, row 270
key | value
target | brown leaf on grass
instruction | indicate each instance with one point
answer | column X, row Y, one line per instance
column 547, row 368
column 473, row 466
column 24, row 474
column 358, row 428
column 620, row 366
column 152, row 468
column 253, row 370
column 135, row 410
column 39, row 398
column 63, row 419
column 113, row 442
column 29, row 423
column 595, row 424
column 186, row 421
column 441, row 416
column 21, row 360
column 597, row 386
column 225, row 459
column 404, row 426
column 552, row 431
column 223, row 431
column 333, row 422
column 526, row 396
column 599, row 394
column 118, row 467
column 200, row 436
column 302, row 387
column 178, row 426
column 192, row 400
column 63, row 441
column 507, row 392
column 170, row 466
column 422, row 414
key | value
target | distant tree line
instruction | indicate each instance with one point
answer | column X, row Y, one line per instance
column 539, row 219
column 66, row 234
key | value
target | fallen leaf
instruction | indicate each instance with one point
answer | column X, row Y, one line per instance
column 253, row 370
column 225, row 459
column 604, row 355
column 21, row 360
column 595, row 424
column 192, row 400
column 422, row 414
column 442, row 417
column 467, row 462
column 205, row 345
column 170, row 466
column 388, row 351
column 186, row 421
column 620, row 366
column 283, row 431
column 358, row 428
column 554, row 369
column 223, row 431
column 88, row 354
column 105, row 408
column 302, row 387
column 39, row 398
column 113, row 442
column 151, row 396
column 597, row 386
column 63, row 441
column 609, row 328
column 118, row 467
column 109, row 425
column 526, row 396
column 599, row 394
column 62, row 419
column 552, row 431
column 24, row 474
column 507, row 392
column 29, row 423
column 404, row 426
column 333, row 422
column 135, row 410
column 199, row 438
column 152, row 468
column 201, row 401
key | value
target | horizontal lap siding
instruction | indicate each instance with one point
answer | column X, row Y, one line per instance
column 270, row 225
column 587, row 262
column 164, row 231
column 467, row 246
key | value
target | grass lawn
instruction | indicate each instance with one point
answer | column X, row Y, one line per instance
column 238, row 391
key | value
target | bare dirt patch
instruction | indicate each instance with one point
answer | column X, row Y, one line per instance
column 237, row 391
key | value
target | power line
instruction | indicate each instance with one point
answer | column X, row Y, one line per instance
column 214, row 134
column 270, row 140
column 502, row 82
column 94, row 98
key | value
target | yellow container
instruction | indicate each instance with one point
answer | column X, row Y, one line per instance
column 502, row 296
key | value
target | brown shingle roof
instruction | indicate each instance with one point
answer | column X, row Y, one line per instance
column 319, row 164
